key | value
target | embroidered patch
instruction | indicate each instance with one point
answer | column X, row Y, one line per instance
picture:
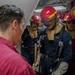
column 70, row 42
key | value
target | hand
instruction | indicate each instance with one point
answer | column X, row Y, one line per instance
column 61, row 69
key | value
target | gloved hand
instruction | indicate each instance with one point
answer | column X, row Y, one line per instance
column 36, row 66
column 61, row 69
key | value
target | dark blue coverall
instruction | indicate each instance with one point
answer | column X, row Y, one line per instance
column 49, row 50
column 27, row 46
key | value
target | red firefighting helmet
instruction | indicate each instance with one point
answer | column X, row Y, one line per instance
column 48, row 13
column 68, row 17
column 61, row 14
column 35, row 18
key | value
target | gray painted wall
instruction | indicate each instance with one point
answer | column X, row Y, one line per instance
column 27, row 6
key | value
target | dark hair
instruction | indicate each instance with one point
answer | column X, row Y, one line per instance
column 71, row 21
column 8, row 13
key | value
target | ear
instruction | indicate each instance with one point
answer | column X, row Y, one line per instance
column 14, row 24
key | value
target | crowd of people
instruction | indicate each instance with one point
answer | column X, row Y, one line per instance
column 46, row 43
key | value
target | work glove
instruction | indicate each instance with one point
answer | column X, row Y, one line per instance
column 61, row 69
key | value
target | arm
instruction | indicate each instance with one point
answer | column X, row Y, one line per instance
column 66, row 55
column 67, row 50
column 24, row 34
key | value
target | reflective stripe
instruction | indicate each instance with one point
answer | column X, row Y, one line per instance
column 52, row 14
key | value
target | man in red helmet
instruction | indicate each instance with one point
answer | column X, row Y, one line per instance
column 29, row 38
column 56, row 45
column 70, row 26
column 70, row 21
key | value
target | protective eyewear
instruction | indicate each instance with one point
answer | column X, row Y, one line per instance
column 46, row 22
column 37, row 23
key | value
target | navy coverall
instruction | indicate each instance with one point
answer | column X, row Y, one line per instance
column 49, row 48
column 27, row 46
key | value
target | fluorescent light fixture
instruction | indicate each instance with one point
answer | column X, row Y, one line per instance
column 58, row 8
column 38, row 10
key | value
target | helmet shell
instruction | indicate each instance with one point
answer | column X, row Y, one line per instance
column 68, row 17
column 48, row 12
column 35, row 18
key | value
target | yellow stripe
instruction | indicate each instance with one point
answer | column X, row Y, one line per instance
column 52, row 14
column 65, row 19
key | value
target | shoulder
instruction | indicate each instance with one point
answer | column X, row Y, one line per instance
column 25, row 31
column 21, row 66
column 66, row 35
column 17, row 59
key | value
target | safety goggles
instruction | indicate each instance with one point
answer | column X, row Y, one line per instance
column 37, row 23
column 47, row 21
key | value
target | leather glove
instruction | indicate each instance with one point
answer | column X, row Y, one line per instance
column 61, row 69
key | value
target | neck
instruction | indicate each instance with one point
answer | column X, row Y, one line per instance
column 5, row 35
